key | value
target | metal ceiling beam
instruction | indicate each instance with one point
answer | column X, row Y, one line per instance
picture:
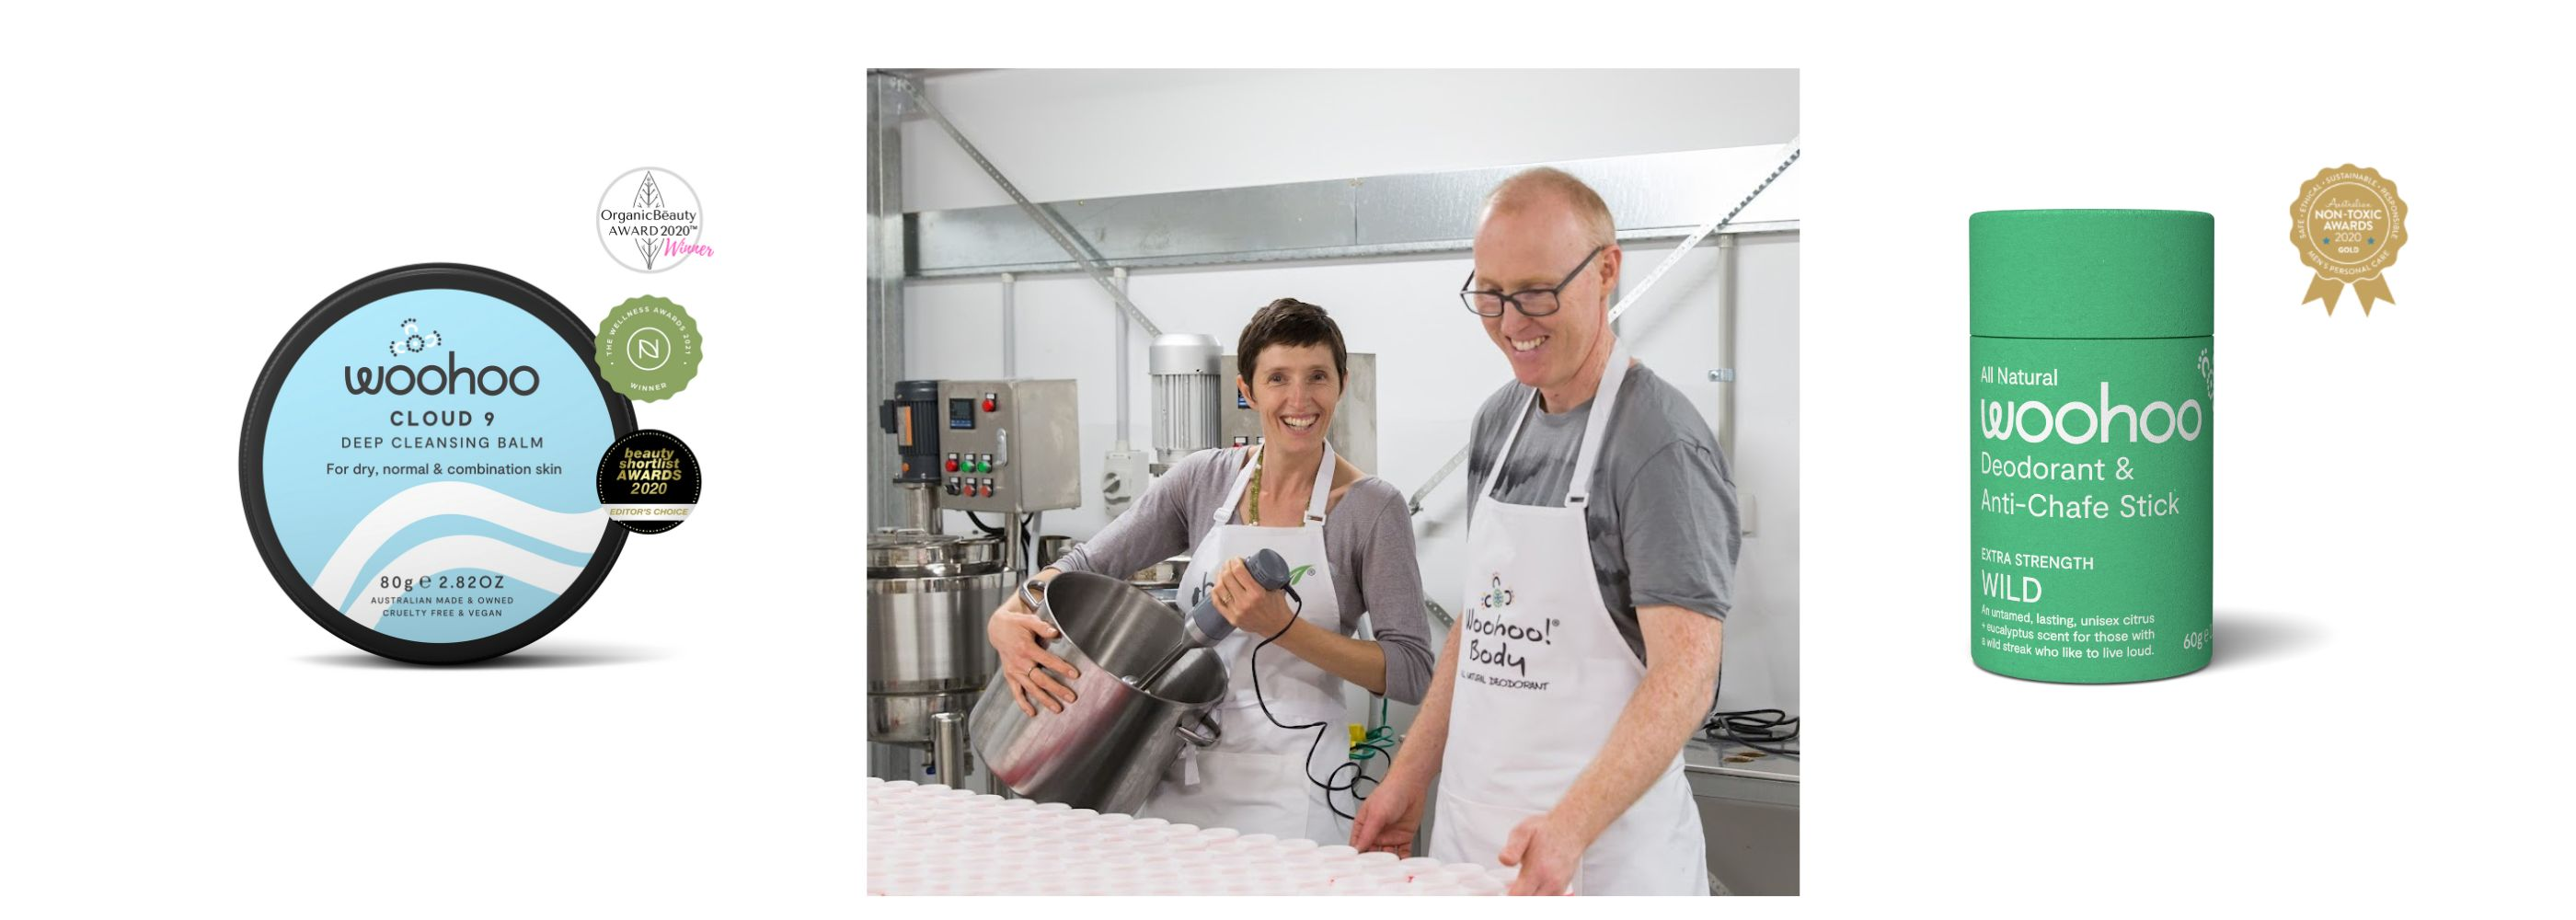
column 1656, row 197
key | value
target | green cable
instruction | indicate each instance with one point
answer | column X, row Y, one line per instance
column 1370, row 744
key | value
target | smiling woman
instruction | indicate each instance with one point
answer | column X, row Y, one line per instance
column 1349, row 542
column 1296, row 385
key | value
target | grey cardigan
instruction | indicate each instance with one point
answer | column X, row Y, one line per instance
column 1368, row 541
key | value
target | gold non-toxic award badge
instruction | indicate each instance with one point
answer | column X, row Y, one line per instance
column 2348, row 224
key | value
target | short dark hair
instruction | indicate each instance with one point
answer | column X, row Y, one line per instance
column 1289, row 321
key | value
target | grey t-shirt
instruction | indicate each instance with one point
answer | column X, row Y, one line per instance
column 1661, row 517
column 1368, row 542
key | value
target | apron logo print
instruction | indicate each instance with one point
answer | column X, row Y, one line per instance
column 1298, row 574
column 1500, row 653
column 1500, row 596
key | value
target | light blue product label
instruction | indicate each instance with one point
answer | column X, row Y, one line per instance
column 428, row 465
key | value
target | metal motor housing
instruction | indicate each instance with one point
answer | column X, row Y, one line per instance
column 1186, row 389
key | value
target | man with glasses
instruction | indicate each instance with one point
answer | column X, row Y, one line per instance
column 1601, row 554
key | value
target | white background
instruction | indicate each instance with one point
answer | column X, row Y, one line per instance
column 2381, row 732
column 181, row 740
column 2379, row 729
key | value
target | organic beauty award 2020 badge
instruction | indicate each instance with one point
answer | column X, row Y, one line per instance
column 2348, row 224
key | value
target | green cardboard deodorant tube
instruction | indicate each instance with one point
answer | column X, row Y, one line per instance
column 2089, row 346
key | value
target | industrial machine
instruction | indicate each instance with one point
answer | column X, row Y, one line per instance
column 987, row 445
column 928, row 595
column 1187, row 387
column 999, row 447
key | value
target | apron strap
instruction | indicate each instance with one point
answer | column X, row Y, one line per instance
column 1597, row 424
column 1494, row 477
column 1323, row 488
column 1243, row 478
column 1604, row 399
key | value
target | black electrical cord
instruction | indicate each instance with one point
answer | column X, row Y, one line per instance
column 989, row 530
column 1765, row 730
column 1332, row 782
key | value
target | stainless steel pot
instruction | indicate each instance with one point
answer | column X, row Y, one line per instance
column 904, row 718
column 1164, row 574
column 928, row 598
column 1108, row 749
column 1053, row 547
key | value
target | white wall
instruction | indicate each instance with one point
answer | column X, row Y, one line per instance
column 1166, row 132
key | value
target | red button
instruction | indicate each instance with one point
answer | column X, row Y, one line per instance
column 952, row 464
column 988, row 404
column 988, row 490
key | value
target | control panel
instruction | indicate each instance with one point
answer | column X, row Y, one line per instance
column 1007, row 444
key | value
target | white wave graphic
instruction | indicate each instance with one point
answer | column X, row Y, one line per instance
column 464, row 552
column 570, row 530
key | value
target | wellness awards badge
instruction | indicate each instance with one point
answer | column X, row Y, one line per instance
column 648, row 349
column 2348, row 224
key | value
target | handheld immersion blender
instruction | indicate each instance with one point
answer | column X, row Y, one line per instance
column 1206, row 625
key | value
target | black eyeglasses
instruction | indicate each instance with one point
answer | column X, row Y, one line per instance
column 1534, row 302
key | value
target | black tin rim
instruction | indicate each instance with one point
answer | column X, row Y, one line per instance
column 263, row 399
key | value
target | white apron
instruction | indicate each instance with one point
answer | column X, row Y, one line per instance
column 1542, row 677
column 1255, row 778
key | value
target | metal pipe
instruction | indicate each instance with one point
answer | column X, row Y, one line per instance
column 948, row 748
column 1711, row 227
column 1121, row 275
column 1726, row 301
column 1046, row 218
column 920, row 507
column 1014, row 550
column 1010, row 326
column 886, row 263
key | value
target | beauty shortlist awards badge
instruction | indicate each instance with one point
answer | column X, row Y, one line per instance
column 649, row 481
column 2348, row 224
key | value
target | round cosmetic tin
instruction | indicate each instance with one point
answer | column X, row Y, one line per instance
column 417, row 464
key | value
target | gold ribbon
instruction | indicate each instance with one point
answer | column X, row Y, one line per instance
column 2368, row 289
column 2348, row 224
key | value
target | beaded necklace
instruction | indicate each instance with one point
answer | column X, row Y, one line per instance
column 1257, row 456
